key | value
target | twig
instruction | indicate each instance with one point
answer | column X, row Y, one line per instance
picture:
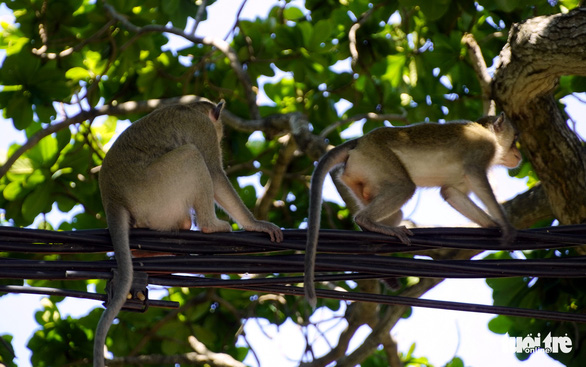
column 199, row 15
column 42, row 51
column 238, row 14
column 479, row 65
column 275, row 182
column 352, row 36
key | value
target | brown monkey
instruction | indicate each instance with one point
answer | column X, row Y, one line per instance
column 160, row 168
column 383, row 168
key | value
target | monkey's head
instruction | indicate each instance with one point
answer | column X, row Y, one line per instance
column 506, row 138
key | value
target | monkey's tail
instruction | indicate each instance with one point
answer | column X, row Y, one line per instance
column 334, row 157
column 118, row 225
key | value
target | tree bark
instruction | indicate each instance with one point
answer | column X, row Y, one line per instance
column 539, row 51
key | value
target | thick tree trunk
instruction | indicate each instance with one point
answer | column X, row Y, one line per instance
column 539, row 51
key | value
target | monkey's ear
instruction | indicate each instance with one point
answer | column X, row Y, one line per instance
column 499, row 123
column 215, row 113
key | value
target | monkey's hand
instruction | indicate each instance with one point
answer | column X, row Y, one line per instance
column 267, row 227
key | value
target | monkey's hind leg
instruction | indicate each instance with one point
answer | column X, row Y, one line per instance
column 384, row 208
column 174, row 184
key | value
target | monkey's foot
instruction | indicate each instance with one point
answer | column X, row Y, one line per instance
column 401, row 232
column 509, row 235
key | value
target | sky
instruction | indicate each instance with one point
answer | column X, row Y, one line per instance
column 439, row 335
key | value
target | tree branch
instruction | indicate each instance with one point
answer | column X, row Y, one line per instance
column 539, row 51
column 384, row 325
column 529, row 208
column 272, row 124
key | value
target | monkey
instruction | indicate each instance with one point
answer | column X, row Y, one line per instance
column 159, row 169
column 383, row 168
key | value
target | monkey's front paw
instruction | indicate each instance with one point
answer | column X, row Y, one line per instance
column 261, row 226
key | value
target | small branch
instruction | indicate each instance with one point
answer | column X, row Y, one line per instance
column 356, row 317
column 274, row 184
column 313, row 146
column 42, row 51
column 371, row 115
column 199, row 16
column 238, row 14
column 352, row 36
column 479, row 65
column 112, row 110
column 221, row 45
column 215, row 359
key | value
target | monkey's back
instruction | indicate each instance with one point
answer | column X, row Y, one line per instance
column 150, row 138
column 432, row 154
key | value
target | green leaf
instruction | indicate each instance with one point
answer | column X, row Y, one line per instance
column 38, row 201
column 504, row 5
column 391, row 69
column 45, row 113
column 435, row 9
column 293, row 13
column 77, row 73
column 45, row 153
column 19, row 69
column 321, row 34
column 7, row 351
column 500, row 324
column 170, row 7
column 65, row 204
column 35, row 178
column 13, row 191
column 256, row 146
column 306, row 31
column 20, row 109
column 578, row 84
column 94, row 62
column 248, row 195
column 455, row 362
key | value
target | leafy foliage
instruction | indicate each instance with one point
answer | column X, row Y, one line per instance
column 68, row 56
